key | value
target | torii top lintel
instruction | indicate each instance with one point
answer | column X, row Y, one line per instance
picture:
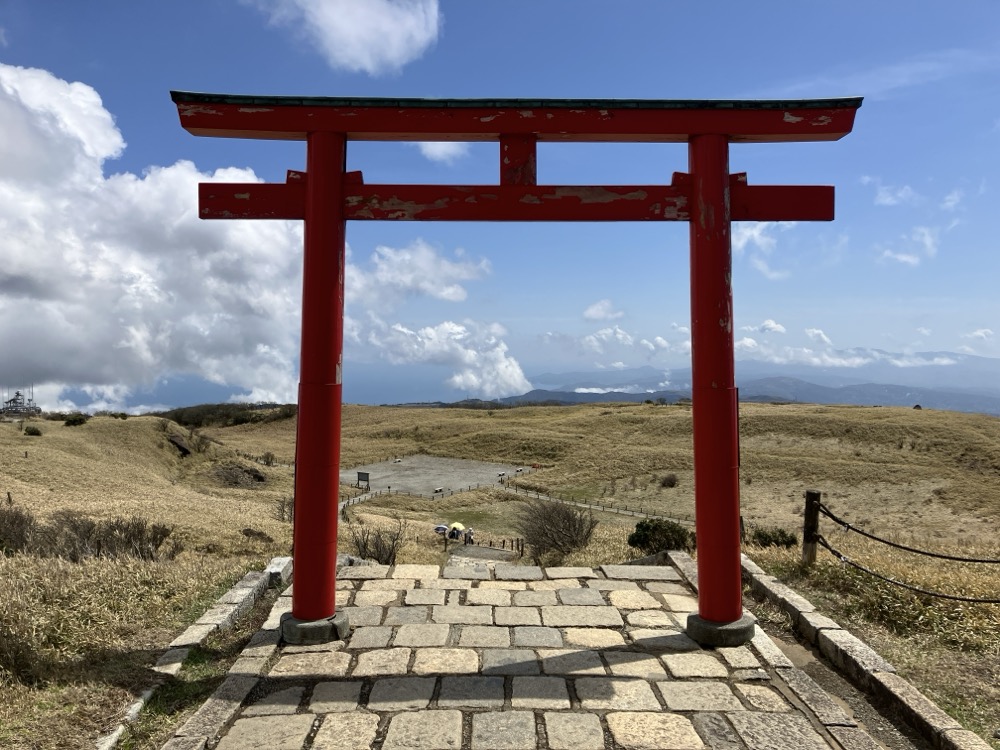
column 597, row 120
column 518, row 125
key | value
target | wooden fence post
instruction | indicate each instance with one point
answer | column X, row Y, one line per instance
column 810, row 527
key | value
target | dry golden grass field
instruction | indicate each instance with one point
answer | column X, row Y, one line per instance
column 76, row 639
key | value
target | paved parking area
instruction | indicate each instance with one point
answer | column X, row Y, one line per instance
column 422, row 475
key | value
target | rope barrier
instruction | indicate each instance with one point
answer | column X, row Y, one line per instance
column 845, row 559
column 848, row 527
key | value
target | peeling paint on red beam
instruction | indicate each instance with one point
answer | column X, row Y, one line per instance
column 221, row 200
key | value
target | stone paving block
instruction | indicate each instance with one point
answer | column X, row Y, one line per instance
column 540, row 692
column 281, row 606
column 534, row 598
column 962, row 739
column 281, row 702
column 219, row 615
column 389, row 661
column 512, row 661
column 816, row 698
column 589, row 617
column 359, row 616
column 415, row 597
column 370, row 637
column 388, row 584
column 172, row 660
column 738, row 657
column 469, row 572
column 193, row 636
column 262, row 643
column 503, row 585
column 641, row 730
column 562, row 583
column 694, row 665
column 312, row 648
column 715, row 731
column 810, row 623
column 484, row 636
column 363, row 572
column 375, row 598
column 510, row 730
column 570, row 572
column 854, row 738
column 447, row 584
column 459, row 615
column 763, row 698
column 665, row 587
column 335, row 697
column 537, row 637
column 641, row 572
column 312, row 666
column 445, row 661
column 763, row 731
column 517, row 573
column 493, row 597
column 750, row 675
column 678, row 603
column 604, row 584
column 635, row 664
column 593, row 637
column 583, row 597
column 253, row 666
column 454, row 597
column 338, row 586
column 517, row 616
column 615, row 694
column 220, row 708
column 416, row 571
column 696, row 695
column 769, row 652
column 401, row 693
column 688, row 568
column 574, row 731
column 425, row 730
column 185, row 743
column 267, row 733
column 919, row 710
column 651, row 618
column 422, row 635
column 852, row 655
column 406, row 615
column 659, row 641
column 471, row 692
column 564, row 661
column 346, row 732
column 633, row 600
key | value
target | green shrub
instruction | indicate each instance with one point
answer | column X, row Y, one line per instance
column 76, row 419
column 32, row 430
column 772, row 536
column 670, row 480
column 654, row 535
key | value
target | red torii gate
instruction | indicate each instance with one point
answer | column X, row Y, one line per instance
column 707, row 196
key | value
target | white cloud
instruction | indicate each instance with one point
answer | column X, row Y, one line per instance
column 757, row 233
column 927, row 239
column 373, row 36
column 618, row 365
column 769, row 273
column 951, row 201
column 924, row 331
column 680, row 328
column 768, row 326
column 597, row 342
column 746, row 344
column 658, row 343
column 982, row 334
column 447, row 152
column 907, row 259
column 602, row 310
column 817, row 335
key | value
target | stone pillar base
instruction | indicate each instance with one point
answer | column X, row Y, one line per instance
column 296, row 632
column 709, row 633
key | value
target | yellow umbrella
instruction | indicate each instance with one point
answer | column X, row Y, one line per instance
column 458, row 526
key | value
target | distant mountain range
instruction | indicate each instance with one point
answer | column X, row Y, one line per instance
column 935, row 380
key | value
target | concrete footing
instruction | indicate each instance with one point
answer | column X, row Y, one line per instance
column 298, row 632
column 709, row 633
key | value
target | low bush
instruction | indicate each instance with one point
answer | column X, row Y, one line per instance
column 772, row 536
column 76, row 419
column 670, row 480
column 32, row 430
column 653, row 535
column 553, row 530
column 378, row 544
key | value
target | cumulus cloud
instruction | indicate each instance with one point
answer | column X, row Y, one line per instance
column 373, row 37
column 817, row 335
column 658, row 343
column 598, row 341
column 113, row 284
column 983, row 334
column 924, row 331
column 602, row 310
column 951, row 201
column 907, row 259
column 746, row 344
column 447, row 152
column 768, row 326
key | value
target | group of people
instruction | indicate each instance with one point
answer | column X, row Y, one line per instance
column 466, row 535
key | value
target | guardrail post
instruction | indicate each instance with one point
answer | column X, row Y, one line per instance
column 810, row 527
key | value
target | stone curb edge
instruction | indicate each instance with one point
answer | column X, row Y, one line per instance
column 862, row 664
column 226, row 610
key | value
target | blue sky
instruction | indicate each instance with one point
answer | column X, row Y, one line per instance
column 114, row 295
